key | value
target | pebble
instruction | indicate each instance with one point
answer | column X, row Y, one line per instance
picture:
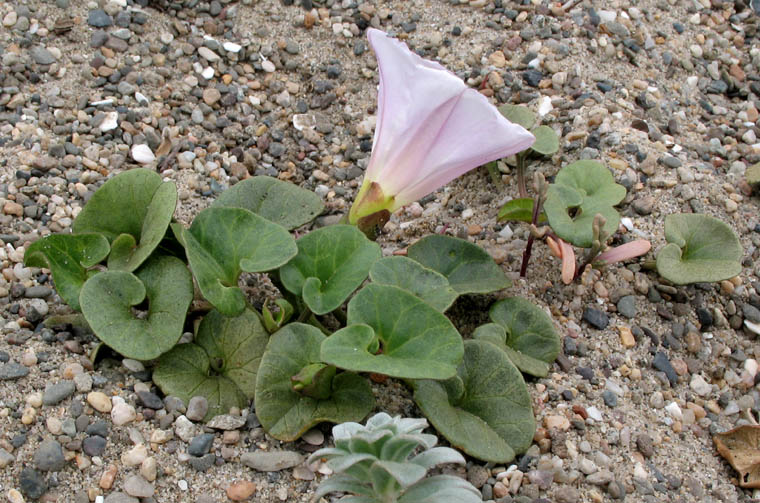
column 138, row 487
column 49, row 456
column 6, row 458
column 142, row 154
column 135, row 456
column 58, row 392
column 626, row 306
column 596, row 318
column 313, row 437
column 99, row 19
column 41, row 56
column 122, row 413
column 700, row 386
column 120, row 497
column 662, row 363
column 184, row 428
column 149, row 469
column 99, row 401
column 200, row 445
column 271, row 461
column 241, row 490
column 94, row 445
column 226, row 422
column 197, row 408
column 11, row 370
column 32, row 483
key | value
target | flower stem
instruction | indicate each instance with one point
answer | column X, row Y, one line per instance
column 537, row 202
column 521, row 187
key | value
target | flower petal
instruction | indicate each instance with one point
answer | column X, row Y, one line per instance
column 568, row 262
column 625, row 252
column 474, row 134
column 431, row 127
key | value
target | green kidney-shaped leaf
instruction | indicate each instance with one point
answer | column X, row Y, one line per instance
column 546, row 142
column 521, row 115
column 132, row 210
column 286, row 414
column 701, row 249
column 234, row 346
column 520, row 210
column 529, row 330
column 331, row 263
column 496, row 335
column 485, row 410
column 583, row 188
column 223, row 242
column 68, row 256
column 468, row 267
column 279, row 202
column 220, row 365
column 405, row 273
column 185, row 372
column 417, row 341
column 107, row 300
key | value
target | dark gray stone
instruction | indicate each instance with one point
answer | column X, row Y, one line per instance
column 200, row 445
column 532, row 77
column 94, row 445
column 41, row 56
column 99, row 19
column 49, row 456
column 204, row 463
column 32, row 483
column 150, row 400
column 627, row 306
column 596, row 318
column 99, row 428
column 610, row 398
column 12, row 370
column 662, row 363
column 58, row 392
column 751, row 313
column 38, row 292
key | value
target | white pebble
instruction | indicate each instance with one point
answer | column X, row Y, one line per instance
column 750, row 365
column 594, row 413
column 142, row 154
column 506, row 232
column 700, row 386
column 674, row 410
column 232, row 47
column 122, row 413
column 182, row 485
column 110, row 122
column 544, row 105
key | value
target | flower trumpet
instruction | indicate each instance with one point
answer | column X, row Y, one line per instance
column 431, row 128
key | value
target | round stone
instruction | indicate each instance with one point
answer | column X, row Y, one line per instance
column 49, row 456
column 99, row 401
column 241, row 490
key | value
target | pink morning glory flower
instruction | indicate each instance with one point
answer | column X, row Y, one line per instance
column 431, row 128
